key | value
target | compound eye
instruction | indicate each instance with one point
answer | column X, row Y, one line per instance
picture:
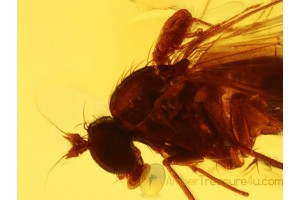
column 111, row 148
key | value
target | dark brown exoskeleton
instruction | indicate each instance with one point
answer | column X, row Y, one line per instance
column 219, row 92
column 174, row 31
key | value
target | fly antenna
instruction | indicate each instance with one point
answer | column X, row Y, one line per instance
column 50, row 170
column 63, row 157
column 51, row 122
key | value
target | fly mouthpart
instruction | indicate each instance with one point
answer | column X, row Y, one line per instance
column 79, row 145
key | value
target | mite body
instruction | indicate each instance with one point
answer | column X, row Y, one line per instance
column 211, row 100
column 172, row 35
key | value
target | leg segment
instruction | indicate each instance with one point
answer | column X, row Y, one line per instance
column 191, row 161
column 257, row 155
column 249, row 119
column 220, row 182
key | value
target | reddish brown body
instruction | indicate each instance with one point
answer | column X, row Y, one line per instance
column 198, row 117
column 211, row 100
column 173, row 33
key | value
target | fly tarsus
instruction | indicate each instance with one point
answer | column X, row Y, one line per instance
column 219, row 181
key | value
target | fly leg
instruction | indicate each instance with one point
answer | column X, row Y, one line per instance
column 260, row 156
column 172, row 161
column 178, row 156
column 191, row 161
column 167, row 163
column 219, row 181
column 248, row 122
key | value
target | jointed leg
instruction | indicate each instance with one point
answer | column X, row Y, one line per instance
column 191, row 161
column 167, row 164
column 219, row 181
column 260, row 156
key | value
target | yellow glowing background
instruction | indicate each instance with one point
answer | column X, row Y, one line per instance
column 73, row 53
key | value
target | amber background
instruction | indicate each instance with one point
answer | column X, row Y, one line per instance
column 72, row 53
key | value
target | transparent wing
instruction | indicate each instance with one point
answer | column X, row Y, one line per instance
column 255, row 32
column 243, row 42
column 243, row 53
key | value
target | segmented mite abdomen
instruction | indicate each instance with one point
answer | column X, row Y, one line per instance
column 174, row 31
